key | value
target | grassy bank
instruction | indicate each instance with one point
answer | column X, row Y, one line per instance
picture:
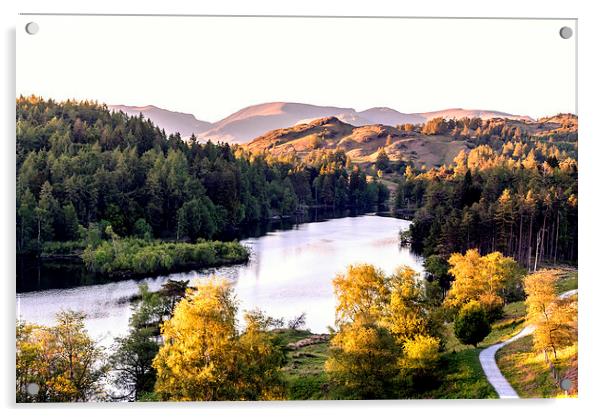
column 304, row 370
column 461, row 377
column 528, row 372
column 130, row 256
column 525, row 369
column 567, row 280
column 461, row 374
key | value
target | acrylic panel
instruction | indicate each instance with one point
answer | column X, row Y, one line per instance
column 217, row 208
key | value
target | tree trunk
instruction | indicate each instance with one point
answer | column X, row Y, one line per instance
column 530, row 242
column 536, row 252
column 520, row 241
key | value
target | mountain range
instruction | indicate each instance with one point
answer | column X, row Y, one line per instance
column 254, row 121
column 171, row 121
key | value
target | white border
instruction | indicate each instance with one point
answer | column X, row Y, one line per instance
column 590, row 155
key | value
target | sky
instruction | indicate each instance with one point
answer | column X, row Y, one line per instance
column 214, row 66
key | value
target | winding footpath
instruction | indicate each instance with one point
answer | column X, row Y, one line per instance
column 487, row 358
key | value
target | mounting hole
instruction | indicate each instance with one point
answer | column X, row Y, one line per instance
column 33, row 388
column 32, row 28
column 566, row 384
column 566, row 32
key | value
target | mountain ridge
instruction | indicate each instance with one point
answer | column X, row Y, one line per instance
column 172, row 121
column 253, row 121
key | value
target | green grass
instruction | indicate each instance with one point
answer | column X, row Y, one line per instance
column 527, row 371
column 304, row 370
column 511, row 323
column 567, row 281
column 461, row 376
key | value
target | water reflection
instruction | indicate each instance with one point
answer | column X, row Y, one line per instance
column 290, row 272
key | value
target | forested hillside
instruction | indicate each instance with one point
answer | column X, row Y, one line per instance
column 513, row 193
column 82, row 167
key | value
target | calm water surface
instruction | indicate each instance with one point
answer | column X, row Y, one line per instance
column 290, row 272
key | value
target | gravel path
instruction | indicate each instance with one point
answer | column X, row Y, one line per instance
column 487, row 358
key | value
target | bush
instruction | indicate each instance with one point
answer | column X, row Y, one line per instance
column 471, row 325
column 140, row 256
column 143, row 230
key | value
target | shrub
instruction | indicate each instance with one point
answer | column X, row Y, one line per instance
column 471, row 325
column 139, row 256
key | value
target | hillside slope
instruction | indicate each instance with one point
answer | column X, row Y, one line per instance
column 363, row 143
column 360, row 143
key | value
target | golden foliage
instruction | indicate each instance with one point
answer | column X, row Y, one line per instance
column 404, row 316
column 422, row 352
column 203, row 357
column 385, row 331
column 361, row 294
column 362, row 361
column 554, row 318
column 481, row 278
column 62, row 360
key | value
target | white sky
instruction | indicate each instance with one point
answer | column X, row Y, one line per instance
column 213, row 66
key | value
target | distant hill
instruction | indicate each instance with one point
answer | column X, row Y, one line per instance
column 171, row 121
column 254, row 121
column 388, row 116
column 362, row 143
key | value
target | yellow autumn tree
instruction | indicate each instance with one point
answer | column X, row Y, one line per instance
column 405, row 315
column 486, row 279
column 60, row 363
column 385, row 332
column 361, row 294
column 554, row 318
column 363, row 362
column 204, row 358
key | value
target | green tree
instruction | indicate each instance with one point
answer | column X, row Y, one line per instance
column 26, row 222
column 195, row 219
column 133, row 354
column 142, row 229
column 47, row 213
column 471, row 325
column 382, row 160
column 70, row 222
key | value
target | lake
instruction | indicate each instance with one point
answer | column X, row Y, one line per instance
column 290, row 272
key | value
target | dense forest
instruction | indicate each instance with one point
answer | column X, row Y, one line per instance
column 511, row 192
column 81, row 166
